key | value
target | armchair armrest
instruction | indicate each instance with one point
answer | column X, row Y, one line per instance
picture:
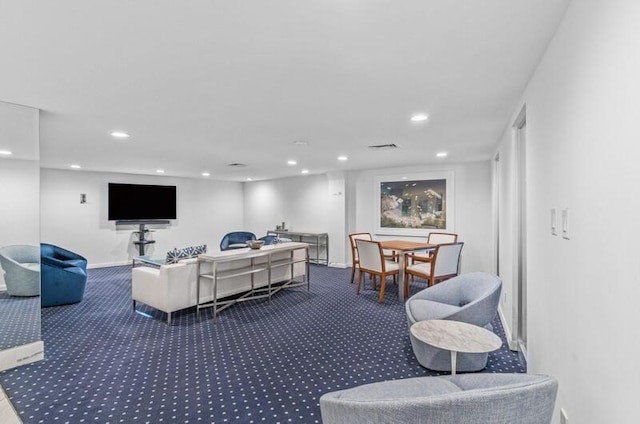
column 393, row 256
column 55, row 262
column 415, row 258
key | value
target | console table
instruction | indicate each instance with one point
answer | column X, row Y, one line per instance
column 316, row 241
column 263, row 267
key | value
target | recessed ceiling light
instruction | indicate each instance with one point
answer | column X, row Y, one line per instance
column 442, row 154
column 74, row 166
column 6, row 152
column 305, row 171
column 419, row 117
column 205, row 174
column 342, row 158
column 249, row 179
column 119, row 134
column 160, row 171
column 404, row 178
column 301, row 143
column 291, row 162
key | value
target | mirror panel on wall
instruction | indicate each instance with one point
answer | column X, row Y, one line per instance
column 20, row 332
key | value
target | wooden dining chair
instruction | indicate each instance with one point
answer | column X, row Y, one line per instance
column 372, row 261
column 354, row 251
column 444, row 264
column 434, row 238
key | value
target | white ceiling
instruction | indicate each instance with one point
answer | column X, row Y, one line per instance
column 202, row 84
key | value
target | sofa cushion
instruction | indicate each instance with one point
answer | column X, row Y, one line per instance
column 422, row 309
column 175, row 255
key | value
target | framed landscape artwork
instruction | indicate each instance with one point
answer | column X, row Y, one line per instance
column 414, row 204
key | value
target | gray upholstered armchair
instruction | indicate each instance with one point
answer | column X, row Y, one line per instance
column 472, row 298
column 469, row 398
column 21, row 265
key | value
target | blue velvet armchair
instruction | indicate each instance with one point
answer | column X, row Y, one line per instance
column 236, row 240
column 64, row 276
column 21, row 265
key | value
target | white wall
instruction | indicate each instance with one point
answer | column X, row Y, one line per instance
column 311, row 203
column 582, row 137
column 472, row 220
column 206, row 211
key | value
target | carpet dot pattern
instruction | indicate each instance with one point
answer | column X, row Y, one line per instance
column 20, row 321
column 260, row 363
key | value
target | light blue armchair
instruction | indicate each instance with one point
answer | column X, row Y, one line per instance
column 472, row 298
column 21, row 265
column 457, row 399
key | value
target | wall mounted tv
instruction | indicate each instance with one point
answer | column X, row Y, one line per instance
column 138, row 202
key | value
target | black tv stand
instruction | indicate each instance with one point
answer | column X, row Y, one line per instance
column 142, row 240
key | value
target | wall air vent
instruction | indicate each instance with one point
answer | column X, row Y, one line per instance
column 237, row 165
column 384, row 146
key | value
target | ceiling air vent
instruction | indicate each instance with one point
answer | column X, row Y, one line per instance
column 237, row 165
column 384, row 146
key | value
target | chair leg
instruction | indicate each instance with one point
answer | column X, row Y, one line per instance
column 359, row 281
column 353, row 273
column 373, row 278
column 383, row 280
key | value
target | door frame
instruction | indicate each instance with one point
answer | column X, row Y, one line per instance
column 519, row 300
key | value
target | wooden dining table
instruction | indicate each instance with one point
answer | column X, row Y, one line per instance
column 402, row 247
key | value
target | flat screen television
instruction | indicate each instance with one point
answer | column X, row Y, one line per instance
column 139, row 202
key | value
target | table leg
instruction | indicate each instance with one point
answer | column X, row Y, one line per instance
column 401, row 294
column 454, row 361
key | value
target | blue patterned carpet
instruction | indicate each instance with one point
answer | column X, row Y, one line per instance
column 261, row 362
column 20, row 323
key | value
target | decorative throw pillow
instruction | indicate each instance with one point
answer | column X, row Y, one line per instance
column 176, row 255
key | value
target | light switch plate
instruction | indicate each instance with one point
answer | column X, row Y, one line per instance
column 554, row 222
column 565, row 223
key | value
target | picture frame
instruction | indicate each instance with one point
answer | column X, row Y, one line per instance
column 414, row 204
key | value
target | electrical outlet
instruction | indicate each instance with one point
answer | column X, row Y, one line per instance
column 564, row 419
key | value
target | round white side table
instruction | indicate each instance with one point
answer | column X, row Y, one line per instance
column 456, row 336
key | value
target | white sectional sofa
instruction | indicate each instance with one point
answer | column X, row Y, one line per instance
column 173, row 287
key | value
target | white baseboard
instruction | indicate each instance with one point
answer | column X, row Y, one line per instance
column 21, row 355
column 3, row 287
column 337, row 265
column 513, row 345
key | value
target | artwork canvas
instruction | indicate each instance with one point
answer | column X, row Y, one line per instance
column 415, row 204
